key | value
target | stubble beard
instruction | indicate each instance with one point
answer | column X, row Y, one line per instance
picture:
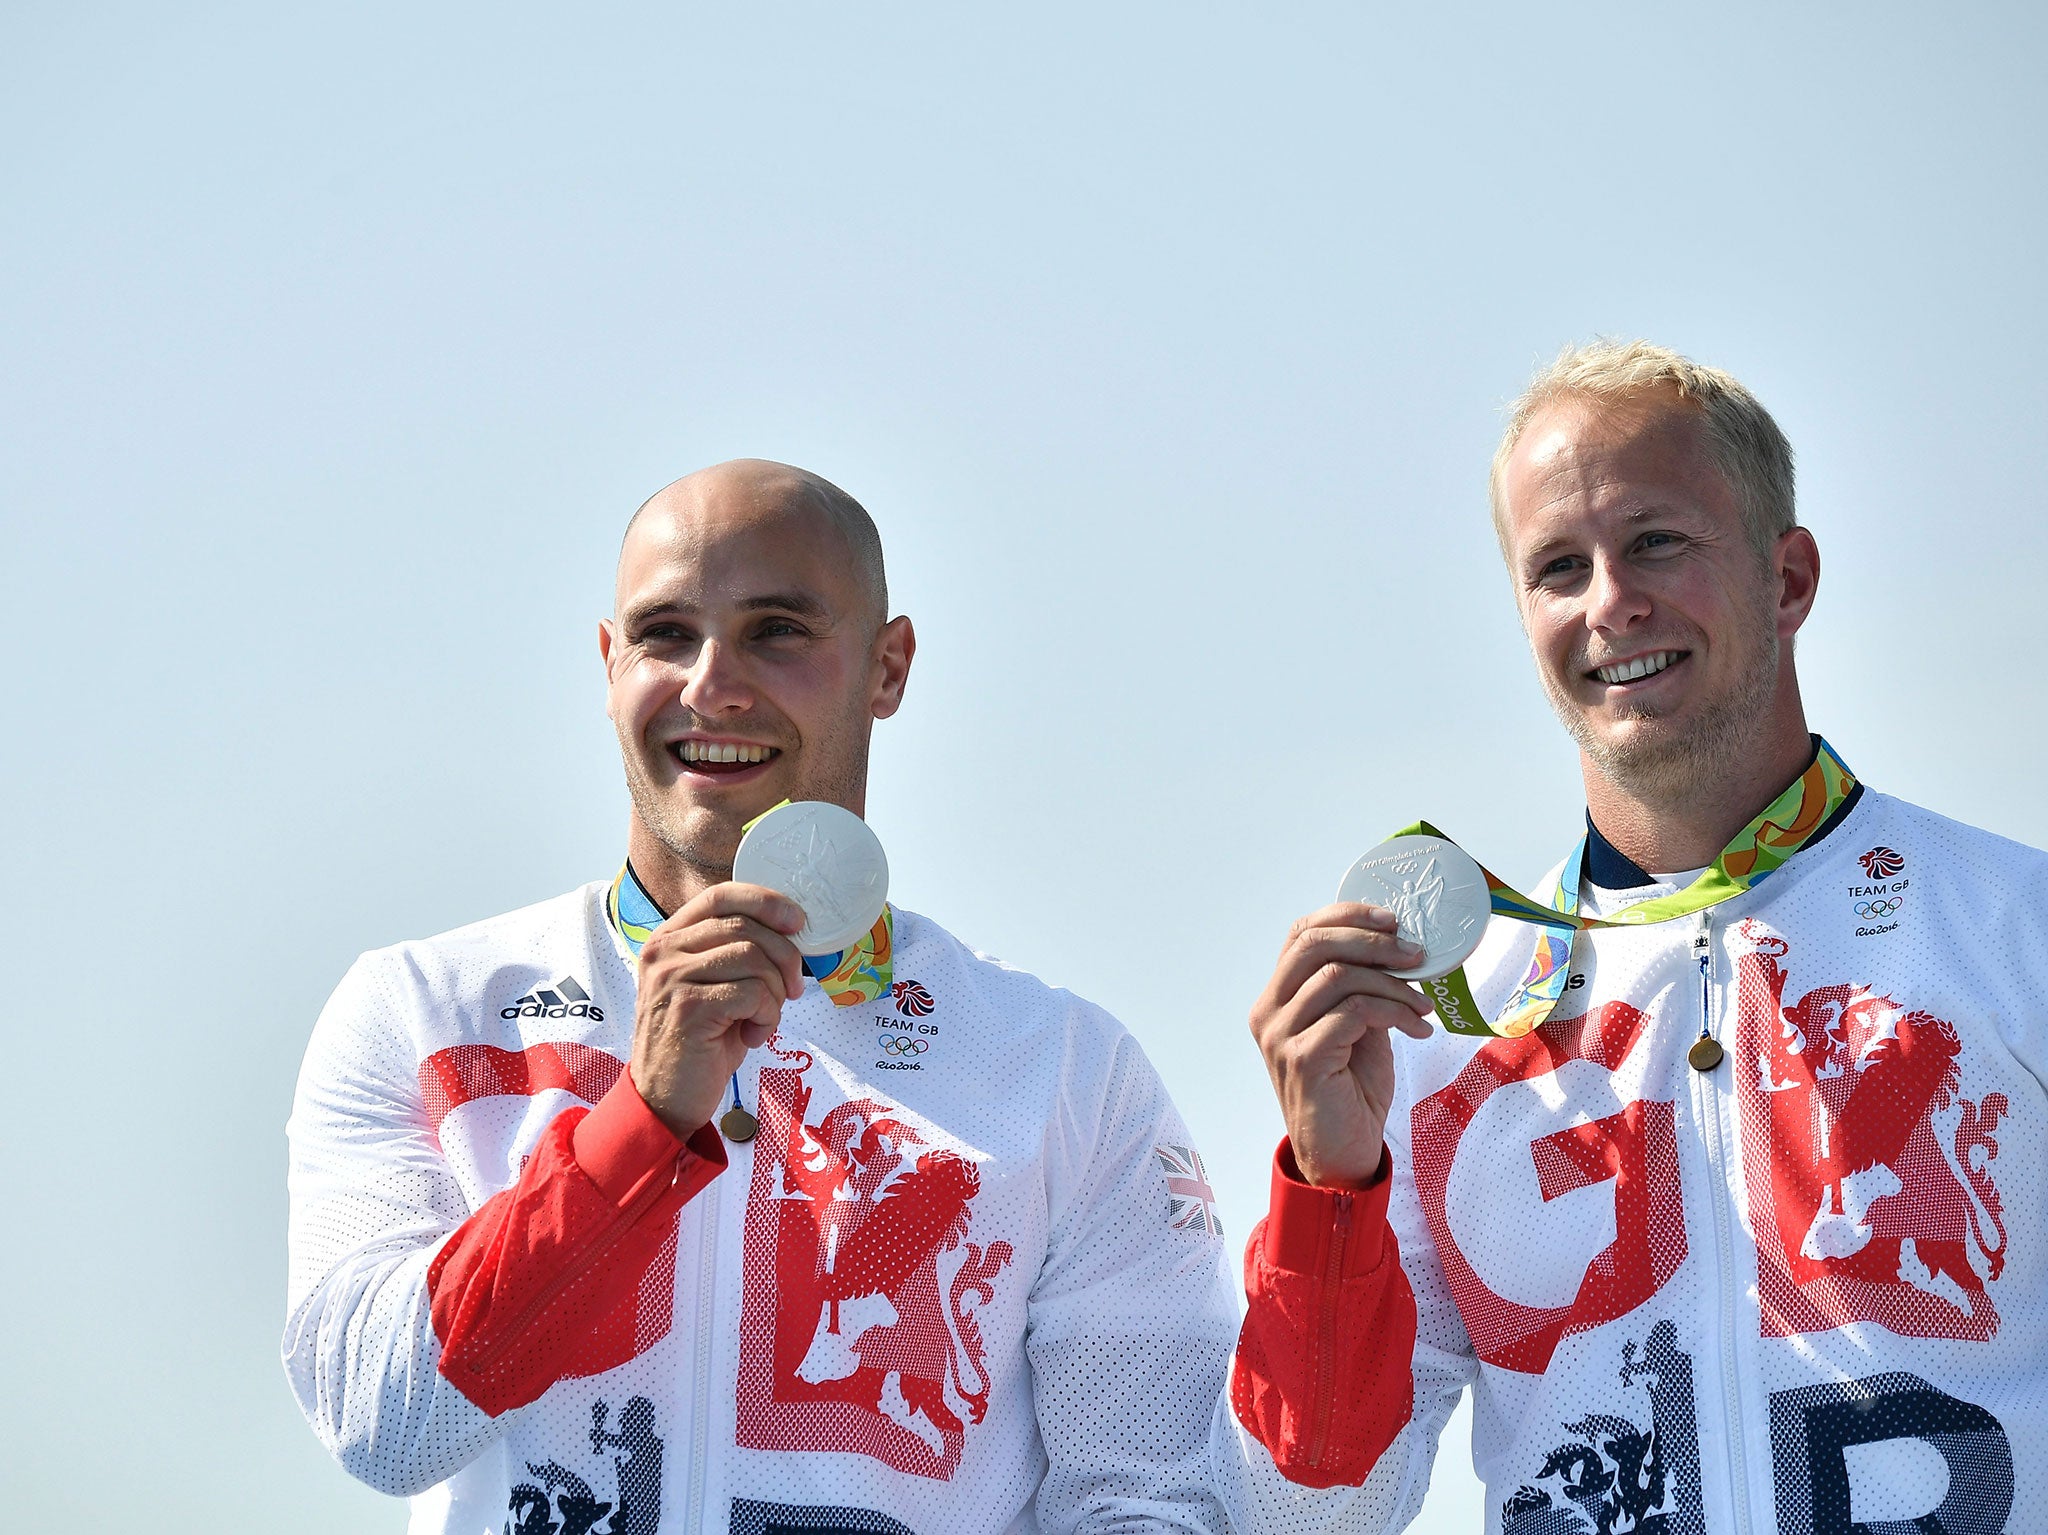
column 1676, row 765
column 668, row 823
column 693, row 835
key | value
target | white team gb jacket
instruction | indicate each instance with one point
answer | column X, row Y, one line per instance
column 967, row 1277
column 1805, row 1292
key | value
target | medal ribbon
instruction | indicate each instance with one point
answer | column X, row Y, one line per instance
column 1759, row 850
column 850, row 978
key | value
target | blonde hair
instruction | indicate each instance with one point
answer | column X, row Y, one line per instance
column 1746, row 444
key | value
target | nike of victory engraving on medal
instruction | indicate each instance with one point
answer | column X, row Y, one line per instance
column 1437, row 895
column 827, row 860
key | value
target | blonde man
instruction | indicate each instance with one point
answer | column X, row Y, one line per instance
column 1746, row 1232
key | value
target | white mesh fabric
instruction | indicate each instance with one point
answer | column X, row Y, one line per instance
column 1004, row 1151
column 1131, row 1324
column 371, row 1201
column 1706, row 1379
column 374, row 1191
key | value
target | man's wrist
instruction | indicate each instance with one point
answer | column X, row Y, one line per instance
column 682, row 1116
column 1304, row 1220
column 623, row 1141
column 1322, row 1175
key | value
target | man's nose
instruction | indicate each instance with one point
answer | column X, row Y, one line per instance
column 1613, row 599
column 717, row 683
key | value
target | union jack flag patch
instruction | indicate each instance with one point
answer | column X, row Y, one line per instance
column 1190, row 1202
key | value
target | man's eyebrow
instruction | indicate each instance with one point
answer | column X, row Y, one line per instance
column 803, row 604
column 1647, row 511
column 641, row 612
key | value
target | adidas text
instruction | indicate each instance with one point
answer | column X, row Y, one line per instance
column 588, row 1010
column 565, row 999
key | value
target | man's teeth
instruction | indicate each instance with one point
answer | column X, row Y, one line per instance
column 717, row 751
column 1641, row 666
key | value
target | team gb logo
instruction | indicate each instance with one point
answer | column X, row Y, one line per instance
column 913, row 1000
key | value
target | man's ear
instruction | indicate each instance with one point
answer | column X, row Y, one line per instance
column 1796, row 564
column 607, row 637
column 894, row 647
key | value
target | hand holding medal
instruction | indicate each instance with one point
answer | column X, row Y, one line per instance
column 830, row 862
column 1436, row 893
column 1415, row 909
column 1762, row 847
column 712, row 982
column 809, row 892
column 1323, row 1024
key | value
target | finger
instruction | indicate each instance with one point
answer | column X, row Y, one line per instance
column 1316, row 947
column 1360, row 914
column 1415, row 1025
column 1331, row 1041
column 726, row 1007
column 1335, row 984
column 731, row 898
column 1340, row 981
column 711, row 933
column 1321, row 991
column 1356, row 1033
column 753, row 1028
column 705, row 973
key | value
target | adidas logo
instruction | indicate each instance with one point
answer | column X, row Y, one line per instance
column 564, row 999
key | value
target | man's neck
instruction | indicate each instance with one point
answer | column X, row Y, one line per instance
column 1665, row 833
column 669, row 882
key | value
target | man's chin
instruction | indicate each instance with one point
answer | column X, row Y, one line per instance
column 719, row 799
column 1656, row 756
column 698, row 837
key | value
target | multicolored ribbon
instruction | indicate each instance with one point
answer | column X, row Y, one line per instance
column 632, row 911
column 862, row 973
column 850, row 978
column 1759, row 850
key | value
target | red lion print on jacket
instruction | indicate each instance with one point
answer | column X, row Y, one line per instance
column 858, row 1329
column 1869, row 1180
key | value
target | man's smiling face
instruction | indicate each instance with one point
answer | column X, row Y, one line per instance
column 1655, row 623
column 746, row 664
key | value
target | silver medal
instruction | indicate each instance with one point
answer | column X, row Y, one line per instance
column 824, row 858
column 1437, row 895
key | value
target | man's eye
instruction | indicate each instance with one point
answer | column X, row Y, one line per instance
column 666, row 638
column 1563, row 565
column 1657, row 541
column 779, row 628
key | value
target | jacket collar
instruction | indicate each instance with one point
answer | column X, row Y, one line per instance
column 1608, row 867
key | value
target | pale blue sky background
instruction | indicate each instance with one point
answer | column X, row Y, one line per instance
column 1166, row 343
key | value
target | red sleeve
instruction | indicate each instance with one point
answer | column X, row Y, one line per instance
column 571, row 1271
column 1322, row 1378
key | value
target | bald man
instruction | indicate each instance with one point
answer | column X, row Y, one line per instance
column 966, row 1276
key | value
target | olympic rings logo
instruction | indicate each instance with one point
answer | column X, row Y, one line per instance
column 1882, row 908
column 903, row 1044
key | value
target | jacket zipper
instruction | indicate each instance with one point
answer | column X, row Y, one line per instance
column 1326, row 1333
column 701, row 1347
column 1707, row 1094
